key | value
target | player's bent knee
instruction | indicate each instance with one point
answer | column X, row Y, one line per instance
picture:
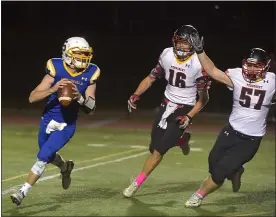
column 46, row 154
column 39, row 167
column 161, row 150
column 218, row 175
column 156, row 154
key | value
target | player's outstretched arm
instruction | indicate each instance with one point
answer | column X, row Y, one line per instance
column 207, row 64
column 45, row 88
column 213, row 71
column 143, row 86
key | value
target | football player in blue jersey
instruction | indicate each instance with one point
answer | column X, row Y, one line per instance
column 58, row 123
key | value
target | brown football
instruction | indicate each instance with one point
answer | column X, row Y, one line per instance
column 65, row 95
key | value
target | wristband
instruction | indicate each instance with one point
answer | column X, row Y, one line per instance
column 81, row 100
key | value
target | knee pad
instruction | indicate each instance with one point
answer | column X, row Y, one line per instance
column 39, row 167
column 218, row 175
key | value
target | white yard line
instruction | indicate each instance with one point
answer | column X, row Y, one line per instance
column 102, row 145
column 14, row 188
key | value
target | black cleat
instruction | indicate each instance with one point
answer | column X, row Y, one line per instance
column 66, row 175
column 236, row 180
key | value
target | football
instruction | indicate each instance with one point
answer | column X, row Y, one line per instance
column 65, row 95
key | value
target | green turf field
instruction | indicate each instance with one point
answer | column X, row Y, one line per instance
column 102, row 172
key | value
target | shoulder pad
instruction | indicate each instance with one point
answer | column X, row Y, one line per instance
column 50, row 68
column 95, row 76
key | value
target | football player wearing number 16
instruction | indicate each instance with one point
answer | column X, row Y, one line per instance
column 181, row 68
column 253, row 89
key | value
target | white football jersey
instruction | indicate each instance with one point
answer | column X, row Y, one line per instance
column 251, row 102
column 181, row 76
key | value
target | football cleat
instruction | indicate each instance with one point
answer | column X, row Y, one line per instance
column 236, row 180
column 194, row 201
column 66, row 175
column 130, row 190
column 17, row 197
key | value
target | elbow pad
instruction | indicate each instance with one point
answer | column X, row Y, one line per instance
column 89, row 105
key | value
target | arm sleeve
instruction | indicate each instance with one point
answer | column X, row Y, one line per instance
column 158, row 71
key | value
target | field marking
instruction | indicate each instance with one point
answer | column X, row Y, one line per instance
column 196, row 149
column 97, row 145
column 95, row 124
column 102, row 145
column 84, row 161
column 11, row 189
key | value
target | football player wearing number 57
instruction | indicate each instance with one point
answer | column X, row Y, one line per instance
column 180, row 66
column 238, row 142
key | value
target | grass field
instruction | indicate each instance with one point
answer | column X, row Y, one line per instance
column 107, row 157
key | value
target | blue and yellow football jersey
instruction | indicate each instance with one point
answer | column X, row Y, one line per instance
column 58, row 69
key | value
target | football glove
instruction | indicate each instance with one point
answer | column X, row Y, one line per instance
column 184, row 121
column 197, row 42
column 131, row 102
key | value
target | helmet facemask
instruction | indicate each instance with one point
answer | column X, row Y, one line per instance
column 182, row 48
column 254, row 71
column 80, row 57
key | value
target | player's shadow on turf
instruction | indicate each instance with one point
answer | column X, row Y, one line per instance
column 138, row 208
column 246, row 198
column 201, row 211
column 85, row 194
column 174, row 187
column 21, row 210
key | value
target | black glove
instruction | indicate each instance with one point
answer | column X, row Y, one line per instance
column 197, row 42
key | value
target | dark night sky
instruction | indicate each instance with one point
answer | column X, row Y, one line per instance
column 127, row 38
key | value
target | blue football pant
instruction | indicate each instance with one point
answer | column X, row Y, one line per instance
column 51, row 143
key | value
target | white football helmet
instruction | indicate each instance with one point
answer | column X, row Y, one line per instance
column 76, row 52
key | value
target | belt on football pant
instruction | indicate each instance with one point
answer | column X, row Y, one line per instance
column 244, row 136
column 165, row 100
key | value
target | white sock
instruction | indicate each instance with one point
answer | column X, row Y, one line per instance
column 25, row 188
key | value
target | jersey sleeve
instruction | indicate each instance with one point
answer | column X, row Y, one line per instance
column 230, row 73
column 95, row 76
column 50, row 68
column 203, row 80
column 158, row 71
